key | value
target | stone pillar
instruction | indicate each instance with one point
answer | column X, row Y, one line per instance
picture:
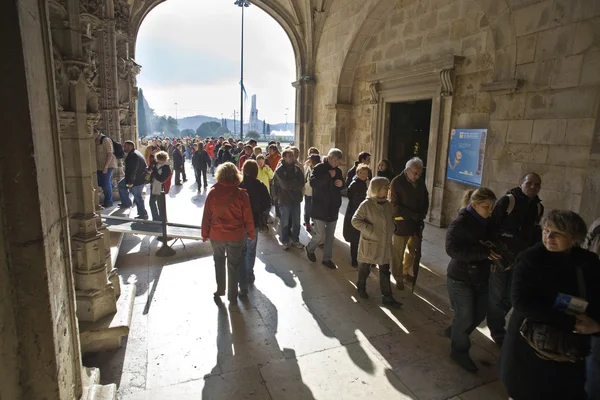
column 304, row 135
column 340, row 132
column 96, row 282
column 39, row 345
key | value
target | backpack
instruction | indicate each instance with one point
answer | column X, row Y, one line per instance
column 512, row 202
column 117, row 148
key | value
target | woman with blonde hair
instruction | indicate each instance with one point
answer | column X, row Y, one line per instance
column 556, row 312
column 227, row 222
column 469, row 271
column 374, row 219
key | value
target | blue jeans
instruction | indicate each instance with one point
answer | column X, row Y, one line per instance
column 499, row 302
column 246, row 273
column 323, row 231
column 290, row 211
column 470, row 303
column 593, row 370
column 137, row 197
column 105, row 183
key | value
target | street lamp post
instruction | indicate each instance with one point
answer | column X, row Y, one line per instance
column 243, row 4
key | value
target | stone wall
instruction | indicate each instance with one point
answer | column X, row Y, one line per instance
column 422, row 32
column 547, row 126
column 343, row 21
column 40, row 338
column 544, row 125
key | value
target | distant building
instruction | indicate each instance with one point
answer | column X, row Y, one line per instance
column 254, row 122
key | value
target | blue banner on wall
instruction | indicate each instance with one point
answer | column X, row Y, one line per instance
column 466, row 155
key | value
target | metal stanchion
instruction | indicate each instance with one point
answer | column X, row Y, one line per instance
column 165, row 250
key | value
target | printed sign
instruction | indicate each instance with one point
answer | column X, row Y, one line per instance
column 466, row 155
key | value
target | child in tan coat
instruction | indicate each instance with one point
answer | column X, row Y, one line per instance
column 374, row 219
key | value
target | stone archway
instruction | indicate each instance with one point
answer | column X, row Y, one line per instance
column 298, row 28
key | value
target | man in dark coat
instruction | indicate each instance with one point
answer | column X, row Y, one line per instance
column 516, row 220
column 134, row 180
column 290, row 181
column 410, row 199
column 178, row 164
column 327, row 182
column 200, row 161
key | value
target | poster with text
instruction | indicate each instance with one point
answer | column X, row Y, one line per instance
column 466, row 155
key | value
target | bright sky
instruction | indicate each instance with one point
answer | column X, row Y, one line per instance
column 190, row 54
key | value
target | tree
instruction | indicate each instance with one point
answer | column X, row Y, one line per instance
column 188, row 133
column 209, row 128
column 141, row 115
column 222, row 130
column 253, row 135
column 171, row 127
column 160, row 124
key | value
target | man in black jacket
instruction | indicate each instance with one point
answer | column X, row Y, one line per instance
column 200, row 161
column 326, row 179
column 410, row 199
column 516, row 221
column 290, row 181
column 178, row 161
column 135, row 172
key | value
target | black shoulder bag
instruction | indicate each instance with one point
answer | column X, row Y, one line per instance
column 551, row 343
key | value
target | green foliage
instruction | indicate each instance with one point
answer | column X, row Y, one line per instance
column 222, row 130
column 141, row 116
column 188, row 133
column 171, row 127
column 253, row 135
column 210, row 128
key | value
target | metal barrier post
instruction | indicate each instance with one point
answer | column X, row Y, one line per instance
column 165, row 250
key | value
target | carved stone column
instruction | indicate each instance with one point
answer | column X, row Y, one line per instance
column 304, row 135
column 75, row 77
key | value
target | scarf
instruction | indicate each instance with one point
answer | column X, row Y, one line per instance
column 478, row 217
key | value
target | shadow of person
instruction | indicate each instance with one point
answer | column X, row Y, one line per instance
column 287, row 276
column 270, row 317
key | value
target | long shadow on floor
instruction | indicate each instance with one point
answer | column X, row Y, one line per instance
column 231, row 336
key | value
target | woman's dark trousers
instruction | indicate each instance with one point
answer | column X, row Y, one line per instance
column 201, row 175
column 354, row 252
column 470, row 303
column 155, row 207
column 364, row 270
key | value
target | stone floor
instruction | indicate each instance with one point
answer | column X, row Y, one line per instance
column 301, row 334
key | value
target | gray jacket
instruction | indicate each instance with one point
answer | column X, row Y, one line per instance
column 374, row 219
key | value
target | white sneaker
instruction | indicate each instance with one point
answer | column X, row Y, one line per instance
column 297, row 245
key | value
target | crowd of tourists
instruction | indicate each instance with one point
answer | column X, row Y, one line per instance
column 508, row 256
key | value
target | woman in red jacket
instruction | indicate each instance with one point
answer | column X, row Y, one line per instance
column 226, row 221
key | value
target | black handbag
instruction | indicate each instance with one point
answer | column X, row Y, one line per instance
column 552, row 343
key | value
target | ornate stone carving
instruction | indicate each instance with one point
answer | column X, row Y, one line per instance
column 60, row 79
column 374, row 89
column 93, row 7
column 73, row 71
column 122, row 15
column 90, row 73
column 446, row 79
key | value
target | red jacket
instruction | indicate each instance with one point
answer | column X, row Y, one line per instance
column 210, row 149
column 234, row 221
